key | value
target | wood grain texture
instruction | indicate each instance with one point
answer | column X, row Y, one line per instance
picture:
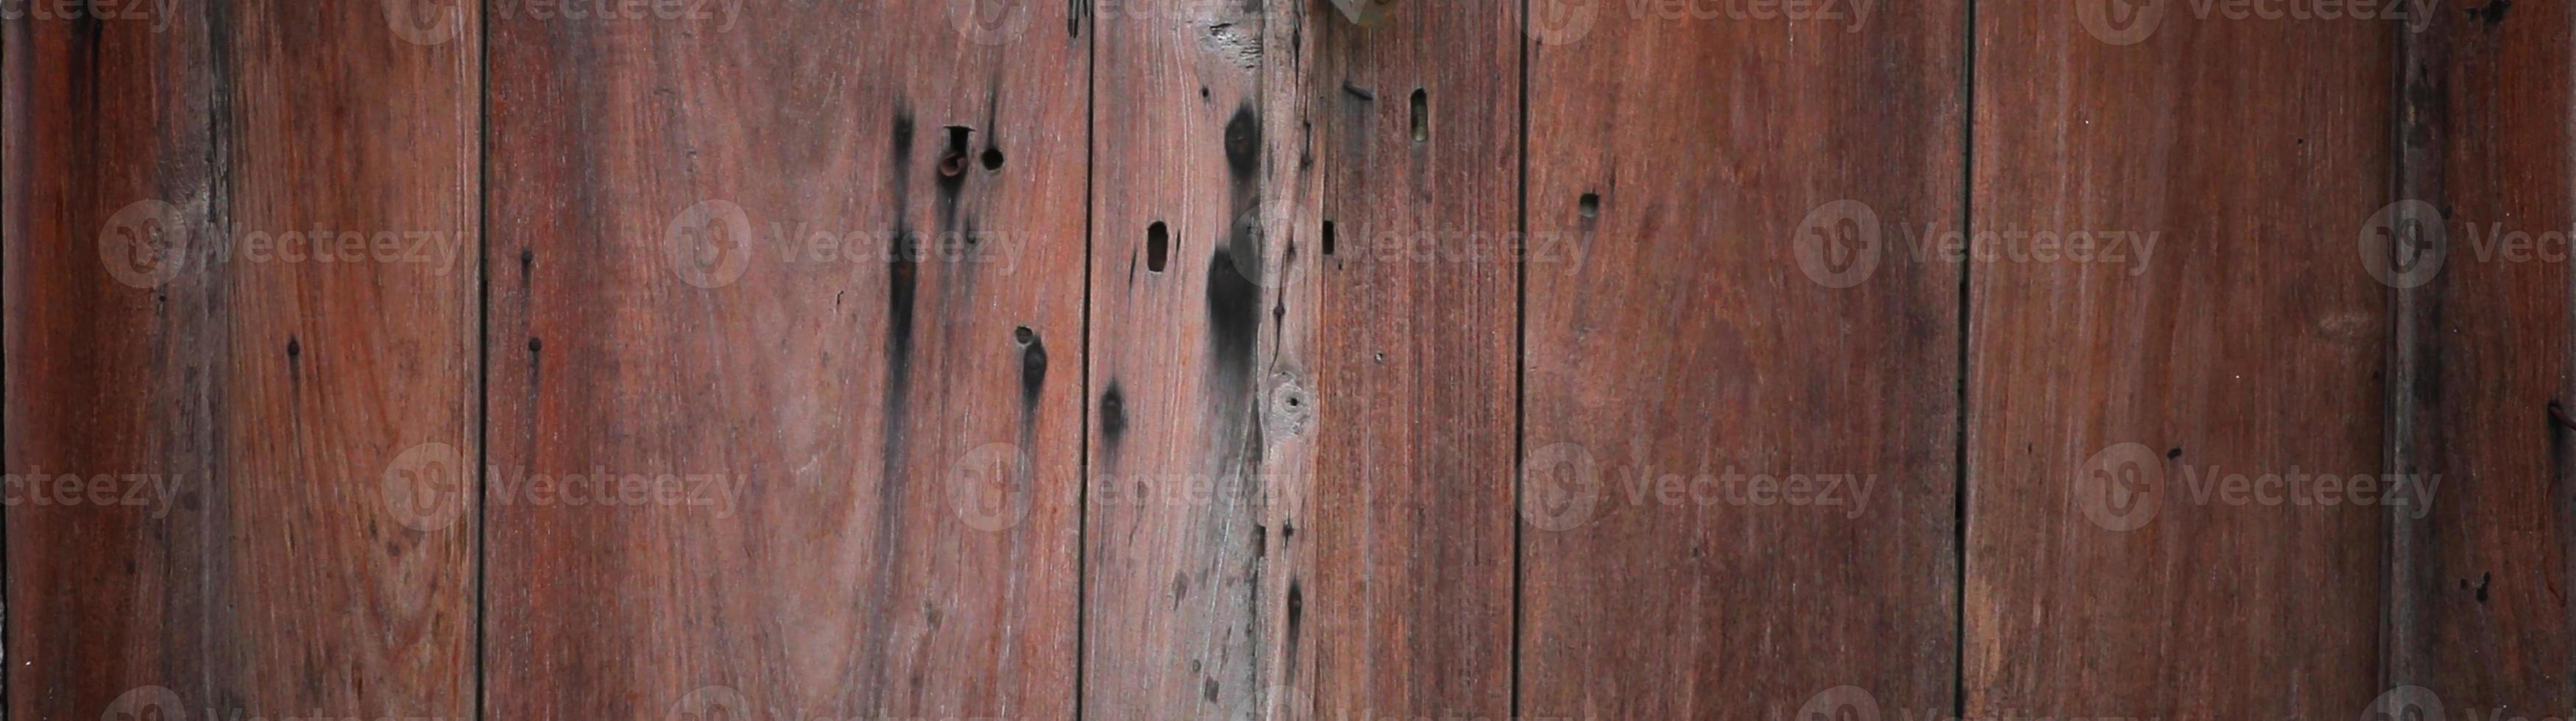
column 1410, row 603
column 2112, row 394
column 1691, row 346
column 199, row 321
column 1201, row 454
column 2479, row 591
column 701, row 266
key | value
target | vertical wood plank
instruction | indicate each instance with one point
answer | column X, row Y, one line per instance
column 820, row 263
column 1201, row 453
column 2110, row 573
column 201, row 321
column 1412, row 521
column 2480, row 614
column 1748, row 320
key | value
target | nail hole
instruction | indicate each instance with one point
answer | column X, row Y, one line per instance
column 535, row 345
column 1024, row 336
column 1591, row 205
column 954, row 161
column 293, row 348
column 992, row 158
column 1421, row 116
column 1158, row 246
column 1329, row 237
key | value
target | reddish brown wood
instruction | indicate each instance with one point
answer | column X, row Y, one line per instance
column 1690, row 159
column 162, row 328
column 1202, row 399
column 904, row 432
column 1410, row 599
column 2479, row 609
column 2103, row 394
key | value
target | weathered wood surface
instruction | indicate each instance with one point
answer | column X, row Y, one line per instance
column 1150, row 359
column 200, row 323
column 704, row 267
column 1202, row 408
column 1732, row 319
column 2478, row 605
column 1411, row 526
column 2106, row 394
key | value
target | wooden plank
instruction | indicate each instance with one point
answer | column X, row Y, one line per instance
column 1410, row 604
column 1201, row 453
column 2481, row 619
column 2113, row 400
column 201, row 323
column 704, row 268
column 1733, row 328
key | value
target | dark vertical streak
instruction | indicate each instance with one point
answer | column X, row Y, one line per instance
column 1959, row 429
column 483, row 339
column 2418, row 140
column 902, row 275
column 1082, row 479
column 1520, row 361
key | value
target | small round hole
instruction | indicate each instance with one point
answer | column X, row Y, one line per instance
column 992, row 158
column 1024, row 336
column 1591, row 205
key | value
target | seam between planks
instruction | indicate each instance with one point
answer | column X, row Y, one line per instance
column 1959, row 429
